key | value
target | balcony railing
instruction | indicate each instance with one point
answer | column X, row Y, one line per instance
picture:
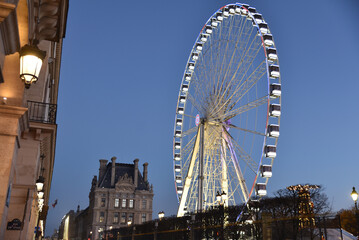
column 42, row 112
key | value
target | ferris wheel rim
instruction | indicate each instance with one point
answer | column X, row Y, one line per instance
column 183, row 83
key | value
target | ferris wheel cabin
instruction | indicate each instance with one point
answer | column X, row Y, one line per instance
column 266, row 171
column 179, row 122
column 178, row 179
column 275, row 110
column 274, row 71
column 219, row 16
column 268, row 40
column 252, row 10
column 182, row 99
column 185, row 88
column 209, row 29
column 199, row 46
column 180, row 110
column 195, row 56
column 271, row 151
column 272, row 54
column 273, row 130
column 261, row 189
column 275, row 90
column 258, row 18
column 263, row 27
column 177, row 157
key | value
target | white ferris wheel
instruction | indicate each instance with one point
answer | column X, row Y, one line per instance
column 228, row 111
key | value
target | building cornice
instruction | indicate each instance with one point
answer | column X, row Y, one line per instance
column 9, row 28
column 52, row 20
column 13, row 111
column 5, row 10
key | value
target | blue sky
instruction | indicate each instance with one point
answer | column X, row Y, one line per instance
column 121, row 71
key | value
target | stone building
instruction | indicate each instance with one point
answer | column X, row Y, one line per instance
column 28, row 114
column 119, row 196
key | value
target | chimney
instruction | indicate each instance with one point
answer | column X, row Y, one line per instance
column 113, row 171
column 102, row 170
column 135, row 177
column 145, row 172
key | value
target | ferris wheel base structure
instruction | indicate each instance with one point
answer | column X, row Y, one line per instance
column 228, row 112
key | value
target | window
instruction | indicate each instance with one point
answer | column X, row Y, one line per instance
column 130, row 217
column 143, row 217
column 123, row 217
column 130, row 203
column 117, row 202
column 144, row 204
column 1, row 76
column 103, row 202
column 115, row 217
column 123, row 203
column 102, row 216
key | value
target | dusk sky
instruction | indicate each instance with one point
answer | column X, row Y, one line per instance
column 121, row 72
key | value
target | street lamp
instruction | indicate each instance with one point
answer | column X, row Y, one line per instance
column 40, row 183
column 31, row 58
column 161, row 215
column 221, row 200
column 354, row 195
column 155, row 232
column 40, row 194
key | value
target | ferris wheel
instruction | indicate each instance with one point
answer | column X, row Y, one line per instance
column 228, row 111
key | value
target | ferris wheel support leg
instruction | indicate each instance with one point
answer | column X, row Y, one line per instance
column 188, row 180
column 201, row 156
column 224, row 182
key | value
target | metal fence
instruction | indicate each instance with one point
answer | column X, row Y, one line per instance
column 324, row 228
column 42, row 112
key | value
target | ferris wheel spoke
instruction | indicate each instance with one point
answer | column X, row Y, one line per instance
column 234, row 146
column 246, row 130
column 242, row 89
column 199, row 83
column 247, row 58
column 194, row 103
column 238, row 171
column 222, row 67
column 189, row 131
column 233, row 187
column 245, row 108
column 241, row 56
column 190, row 116
column 242, row 45
column 251, row 81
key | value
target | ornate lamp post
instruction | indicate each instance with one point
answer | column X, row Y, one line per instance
column 40, row 183
column 354, row 195
column 155, row 232
column 31, row 58
column 221, row 200
column 161, row 215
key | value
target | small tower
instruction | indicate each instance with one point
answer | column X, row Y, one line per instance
column 306, row 215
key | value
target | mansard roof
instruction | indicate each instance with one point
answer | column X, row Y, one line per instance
column 121, row 170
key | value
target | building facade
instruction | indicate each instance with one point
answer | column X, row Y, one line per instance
column 120, row 196
column 28, row 116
